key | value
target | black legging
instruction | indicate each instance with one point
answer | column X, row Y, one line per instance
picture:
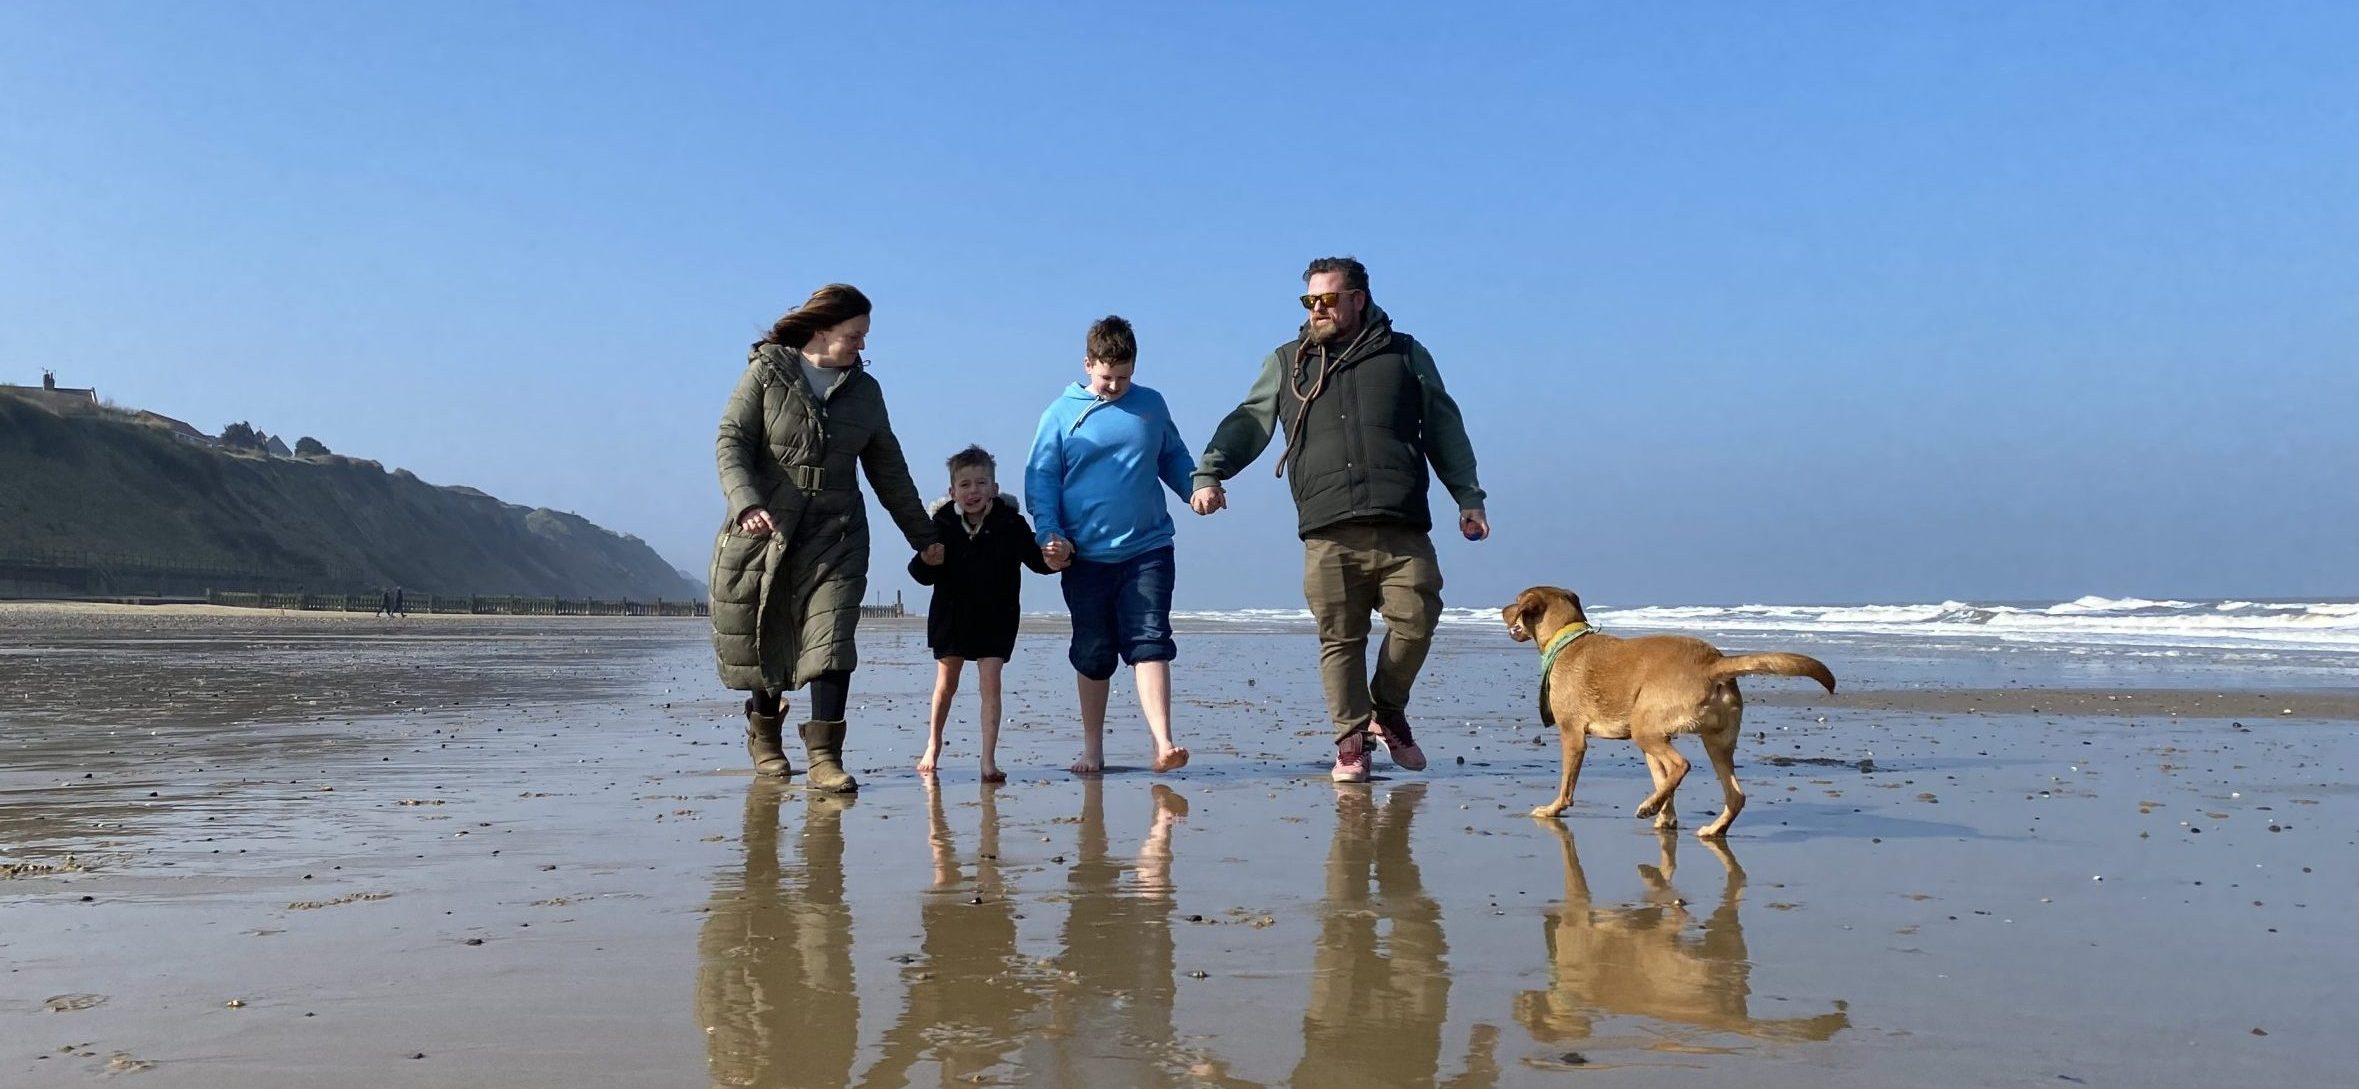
column 829, row 691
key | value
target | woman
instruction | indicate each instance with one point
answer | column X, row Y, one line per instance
column 791, row 565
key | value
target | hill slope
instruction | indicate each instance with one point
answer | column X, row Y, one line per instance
column 91, row 482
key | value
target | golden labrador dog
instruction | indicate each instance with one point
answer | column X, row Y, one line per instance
column 1648, row 690
column 1650, row 960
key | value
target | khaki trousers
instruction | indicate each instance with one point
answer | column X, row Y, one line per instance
column 1349, row 572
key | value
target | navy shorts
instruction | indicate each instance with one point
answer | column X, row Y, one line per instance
column 1121, row 610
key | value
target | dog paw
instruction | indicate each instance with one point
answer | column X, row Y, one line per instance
column 1547, row 812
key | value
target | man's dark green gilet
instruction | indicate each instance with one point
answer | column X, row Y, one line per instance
column 1359, row 452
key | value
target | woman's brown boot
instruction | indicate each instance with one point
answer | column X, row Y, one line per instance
column 824, row 741
column 765, row 741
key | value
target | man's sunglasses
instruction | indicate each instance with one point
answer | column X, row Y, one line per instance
column 1327, row 299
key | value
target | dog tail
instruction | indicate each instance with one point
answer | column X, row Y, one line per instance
column 1779, row 663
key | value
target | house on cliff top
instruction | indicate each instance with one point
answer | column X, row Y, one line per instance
column 50, row 394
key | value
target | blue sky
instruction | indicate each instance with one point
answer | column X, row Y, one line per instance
column 1744, row 302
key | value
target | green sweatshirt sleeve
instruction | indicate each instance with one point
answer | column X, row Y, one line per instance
column 1245, row 432
column 1446, row 444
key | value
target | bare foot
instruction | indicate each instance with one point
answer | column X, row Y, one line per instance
column 1172, row 759
column 1154, row 866
column 925, row 764
column 1088, row 765
column 992, row 774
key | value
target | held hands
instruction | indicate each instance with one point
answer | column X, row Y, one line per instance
column 757, row 523
column 1058, row 552
column 931, row 555
column 1208, row 499
column 1474, row 525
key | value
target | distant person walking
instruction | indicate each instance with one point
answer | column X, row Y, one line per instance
column 399, row 609
column 1364, row 411
column 791, row 564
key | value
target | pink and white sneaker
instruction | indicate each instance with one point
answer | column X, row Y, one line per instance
column 1351, row 760
column 1392, row 728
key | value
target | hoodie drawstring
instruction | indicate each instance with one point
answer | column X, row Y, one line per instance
column 1327, row 366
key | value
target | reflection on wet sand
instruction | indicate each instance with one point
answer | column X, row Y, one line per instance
column 774, row 988
column 968, row 1001
column 1640, row 960
column 777, row 991
column 1380, row 987
column 1109, row 1018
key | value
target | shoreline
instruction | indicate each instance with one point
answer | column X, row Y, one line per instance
column 2208, row 703
column 2334, row 705
column 48, row 610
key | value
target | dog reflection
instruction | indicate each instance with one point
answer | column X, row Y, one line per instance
column 1642, row 960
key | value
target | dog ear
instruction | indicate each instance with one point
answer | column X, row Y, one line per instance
column 1572, row 599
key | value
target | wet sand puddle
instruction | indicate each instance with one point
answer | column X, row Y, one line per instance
column 552, row 869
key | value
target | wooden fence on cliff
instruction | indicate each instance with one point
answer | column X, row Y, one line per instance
column 488, row 605
column 458, row 604
column 98, row 576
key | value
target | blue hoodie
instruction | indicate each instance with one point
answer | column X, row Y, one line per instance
column 1094, row 469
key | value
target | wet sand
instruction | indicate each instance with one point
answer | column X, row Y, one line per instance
column 265, row 852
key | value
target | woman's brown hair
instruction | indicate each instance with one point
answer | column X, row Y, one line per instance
column 827, row 307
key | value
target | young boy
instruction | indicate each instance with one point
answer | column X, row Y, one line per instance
column 1092, row 487
column 976, row 595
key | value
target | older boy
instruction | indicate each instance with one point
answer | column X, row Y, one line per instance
column 1092, row 486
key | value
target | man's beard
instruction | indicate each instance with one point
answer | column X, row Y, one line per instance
column 1327, row 332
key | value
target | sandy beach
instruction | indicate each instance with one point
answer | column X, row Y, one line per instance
column 270, row 851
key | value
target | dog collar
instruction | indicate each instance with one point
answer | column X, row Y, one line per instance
column 1563, row 639
column 1556, row 646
